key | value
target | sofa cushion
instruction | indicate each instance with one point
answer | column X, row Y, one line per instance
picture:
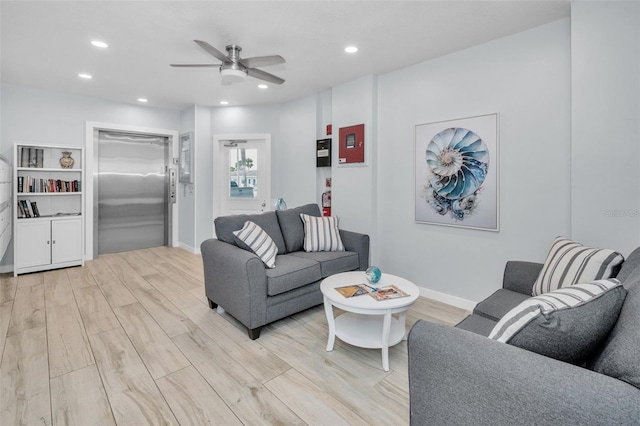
column 499, row 303
column 567, row 324
column 292, row 227
column 225, row 225
column 630, row 267
column 620, row 355
column 259, row 242
column 570, row 263
column 321, row 233
column 477, row 324
column 292, row 272
column 332, row 262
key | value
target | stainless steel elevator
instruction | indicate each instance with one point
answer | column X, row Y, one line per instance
column 131, row 191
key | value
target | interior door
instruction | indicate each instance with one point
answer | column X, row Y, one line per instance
column 245, row 176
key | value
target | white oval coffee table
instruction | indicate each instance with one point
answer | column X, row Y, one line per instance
column 367, row 322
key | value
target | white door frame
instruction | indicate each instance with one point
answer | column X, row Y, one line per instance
column 220, row 185
column 90, row 128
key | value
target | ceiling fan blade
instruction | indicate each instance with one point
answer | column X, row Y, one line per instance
column 262, row 75
column 212, row 50
column 194, row 65
column 262, row 61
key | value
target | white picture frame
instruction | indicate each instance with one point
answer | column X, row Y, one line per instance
column 457, row 173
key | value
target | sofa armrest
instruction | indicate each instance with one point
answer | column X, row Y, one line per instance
column 354, row 241
column 236, row 280
column 520, row 276
column 457, row 377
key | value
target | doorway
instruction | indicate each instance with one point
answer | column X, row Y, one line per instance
column 132, row 187
column 244, row 179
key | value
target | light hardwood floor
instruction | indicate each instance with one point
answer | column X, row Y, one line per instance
column 129, row 339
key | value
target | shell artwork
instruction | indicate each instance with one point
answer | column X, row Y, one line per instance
column 458, row 161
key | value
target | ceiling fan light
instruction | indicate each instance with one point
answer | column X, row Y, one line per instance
column 230, row 75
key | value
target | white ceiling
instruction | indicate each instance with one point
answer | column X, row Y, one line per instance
column 46, row 44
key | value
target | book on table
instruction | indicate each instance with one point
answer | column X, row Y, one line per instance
column 378, row 293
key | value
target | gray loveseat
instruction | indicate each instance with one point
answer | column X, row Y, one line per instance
column 238, row 281
column 458, row 376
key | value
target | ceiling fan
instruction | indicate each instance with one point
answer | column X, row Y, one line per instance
column 236, row 69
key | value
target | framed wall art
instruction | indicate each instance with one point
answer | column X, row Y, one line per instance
column 456, row 172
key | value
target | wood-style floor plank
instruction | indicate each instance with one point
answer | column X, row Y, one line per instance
column 67, row 341
column 78, row 398
column 8, row 287
column 129, row 339
column 155, row 348
column 133, row 395
column 193, row 401
column 24, row 379
column 310, row 402
column 95, row 311
column 28, row 308
column 248, row 398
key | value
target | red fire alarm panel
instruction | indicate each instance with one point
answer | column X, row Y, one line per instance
column 351, row 144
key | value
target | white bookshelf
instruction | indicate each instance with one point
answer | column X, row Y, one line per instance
column 51, row 235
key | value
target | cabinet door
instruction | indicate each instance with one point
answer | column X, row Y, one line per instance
column 66, row 240
column 33, row 241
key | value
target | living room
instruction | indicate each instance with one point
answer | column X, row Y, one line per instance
column 552, row 100
column 556, row 88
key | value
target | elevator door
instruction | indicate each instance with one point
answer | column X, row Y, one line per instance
column 133, row 207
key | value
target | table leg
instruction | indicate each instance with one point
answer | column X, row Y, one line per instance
column 386, row 331
column 328, row 310
column 403, row 320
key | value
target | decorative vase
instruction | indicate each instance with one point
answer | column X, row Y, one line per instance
column 66, row 161
column 280, row 204
column 373, row 274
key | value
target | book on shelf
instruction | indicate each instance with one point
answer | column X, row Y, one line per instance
column 34, row 208
column 378, row 293
column 25, row 208
column 39, row 157
column 32, row 157
column 24, row 157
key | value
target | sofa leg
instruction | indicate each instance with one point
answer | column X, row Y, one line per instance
column 211, row 304
column 254, row 333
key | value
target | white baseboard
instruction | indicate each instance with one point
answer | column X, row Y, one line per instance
column 190, row 249
column 456, row 301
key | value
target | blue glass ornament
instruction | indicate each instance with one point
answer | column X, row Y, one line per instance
column 373, row 274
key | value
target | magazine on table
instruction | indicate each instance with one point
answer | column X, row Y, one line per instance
column 378, row 293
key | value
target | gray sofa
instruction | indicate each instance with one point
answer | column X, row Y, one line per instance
column 458, row 376
column 238, row 281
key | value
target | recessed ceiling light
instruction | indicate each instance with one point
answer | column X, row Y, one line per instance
column 224, row 102
column 262, row 86
column 143, row 100
column 351, row 49
column 85, row 76
column 101, row 44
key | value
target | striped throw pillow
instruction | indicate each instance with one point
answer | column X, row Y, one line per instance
column 569, row 263
column 259, row 242
column 321, row 233
column 568, row 324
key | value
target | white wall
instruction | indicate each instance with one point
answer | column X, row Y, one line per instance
column 526, row 79
column 225, row 120
column 187, row 198
column 293, row 153
column 605, row 58
column 47, row 117
column 354, row 189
